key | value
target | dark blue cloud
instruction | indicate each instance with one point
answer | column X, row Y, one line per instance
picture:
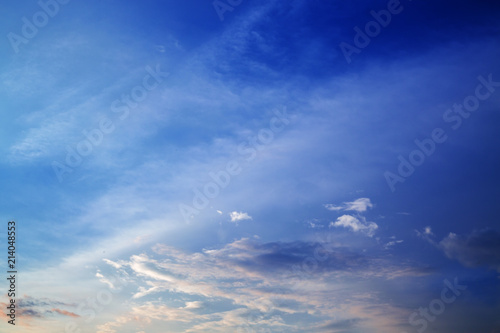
column 341, row 325
column 481, row 248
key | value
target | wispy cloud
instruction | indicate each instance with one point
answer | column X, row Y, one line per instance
column 427, row 235
column 480, row 248
column 392, row 243
column 65, row 313
column 104, row 280
column 144, row 314
column 259, row 280
column 347, row 122
column 358, row 205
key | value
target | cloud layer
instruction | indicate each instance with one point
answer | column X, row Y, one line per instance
column 262, row 285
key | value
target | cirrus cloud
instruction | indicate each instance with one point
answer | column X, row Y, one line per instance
column 358, row 205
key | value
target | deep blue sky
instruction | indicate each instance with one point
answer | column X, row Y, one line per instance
column 306, row 234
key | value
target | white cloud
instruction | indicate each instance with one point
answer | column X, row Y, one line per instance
column 263, row 289
column 348, row 221
column 239, row 216
column 392, row 243
column 314, row 224
column 333, row 207
column 193, row 305
column 104, row 280
column 358, row 205
column 426, row 235
column 145, row 313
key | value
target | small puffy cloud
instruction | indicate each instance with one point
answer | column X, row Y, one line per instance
column 239, row 216
column 357, row 225
column 358, row 205
column 427, row 235
column 481, row 248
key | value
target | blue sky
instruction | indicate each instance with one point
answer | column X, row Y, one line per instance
column 170, row 171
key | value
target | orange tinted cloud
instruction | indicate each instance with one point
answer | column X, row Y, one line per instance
column 66, row 313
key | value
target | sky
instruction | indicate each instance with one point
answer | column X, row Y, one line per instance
column 251, row 166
